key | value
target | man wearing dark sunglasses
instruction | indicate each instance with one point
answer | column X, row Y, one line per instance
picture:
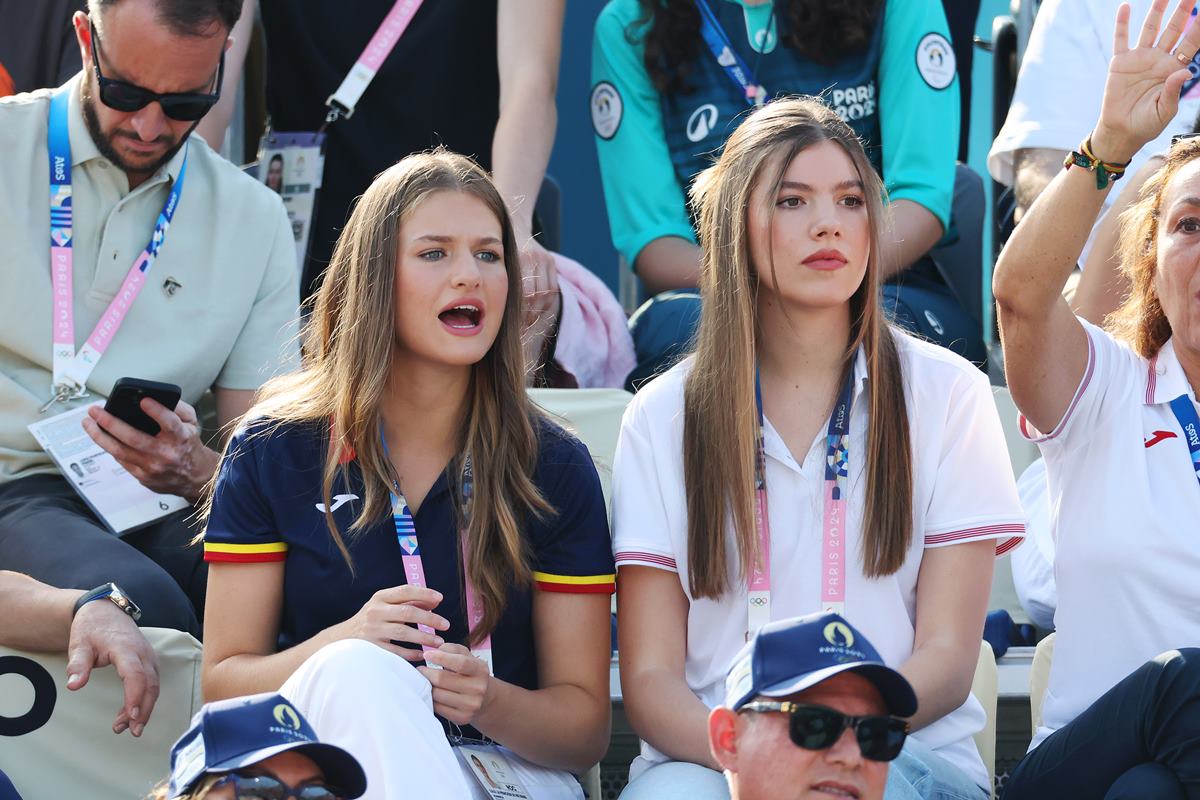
column 811, row 711
column 129, row 249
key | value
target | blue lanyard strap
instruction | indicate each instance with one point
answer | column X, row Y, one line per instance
column 1185, row 412
column 722, row 50
column 837, row 435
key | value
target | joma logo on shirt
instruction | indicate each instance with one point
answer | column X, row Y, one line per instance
column 1160, row 436
column 339, row 500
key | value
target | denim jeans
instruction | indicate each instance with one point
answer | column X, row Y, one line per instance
column 1139, row 741
column 918, row 774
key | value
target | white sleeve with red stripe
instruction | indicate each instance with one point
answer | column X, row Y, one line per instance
column 1111, row 368
column 974, row 494
column 648, row 498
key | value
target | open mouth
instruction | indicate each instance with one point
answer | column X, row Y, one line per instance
column 464, row 317
column 836, row 790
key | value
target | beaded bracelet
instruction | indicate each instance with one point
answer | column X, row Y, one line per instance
column 1106, row 171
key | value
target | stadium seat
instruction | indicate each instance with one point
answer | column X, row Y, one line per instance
column 1039, row 678
column 594, row 415
column 64, row 747
column 985, row 688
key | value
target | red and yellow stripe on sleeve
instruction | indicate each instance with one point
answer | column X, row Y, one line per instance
column 245, row 553
column 577, row 584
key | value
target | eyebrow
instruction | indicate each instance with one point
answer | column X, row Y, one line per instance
column 1188, row 201
column 804, row 187
column 432, row 237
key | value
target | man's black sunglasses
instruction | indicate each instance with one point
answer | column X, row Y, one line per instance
column 129, row 97
column 264, row 786
column 880, row 738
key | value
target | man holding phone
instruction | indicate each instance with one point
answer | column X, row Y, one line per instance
column 147, row 275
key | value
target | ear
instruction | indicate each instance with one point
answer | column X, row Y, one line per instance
column 83, row 37
column 722, row 737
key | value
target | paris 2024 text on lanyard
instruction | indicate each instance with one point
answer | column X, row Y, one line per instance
column 833, row 531
column 71, row 369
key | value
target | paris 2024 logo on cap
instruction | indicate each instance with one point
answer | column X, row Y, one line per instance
column 841, row 643
column 288, row 722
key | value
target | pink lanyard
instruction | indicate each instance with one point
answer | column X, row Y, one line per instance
column 342, row 102
column 414, row 568
column 833, row 539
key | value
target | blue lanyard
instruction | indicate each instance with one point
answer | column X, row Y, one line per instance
column 1185, row 412
column 837, row 436
column 71, row 369
column 722, row 50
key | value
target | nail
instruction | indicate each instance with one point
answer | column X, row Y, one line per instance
column 134, row 714
column 72, row 678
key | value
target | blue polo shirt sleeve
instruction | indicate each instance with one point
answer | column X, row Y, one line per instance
column 919, row 105
column 572, row 551
column 241, row 527
column 641, row 192
column 7, row 790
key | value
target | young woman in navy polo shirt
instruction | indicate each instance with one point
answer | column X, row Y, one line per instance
column 402, row 484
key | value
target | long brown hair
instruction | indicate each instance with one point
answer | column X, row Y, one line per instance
column 817, row 29
column 720, row 423
column 1140, row 320
column 201, row 790
column 349, row 344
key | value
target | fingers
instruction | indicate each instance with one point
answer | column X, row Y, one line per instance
column 168, row 420
column 457, row 659
column 410, row 635
column 79, row 664
column 1171, row 33
column 150, row 695
column 407, row 594
column 1152, row 23
column 407, row 653
column 1190, row 42
column 1172, row 86
column 186, row 412
column 1121, row 30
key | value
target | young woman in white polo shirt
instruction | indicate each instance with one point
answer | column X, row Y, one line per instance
column 876, row 451
column 1121, row 443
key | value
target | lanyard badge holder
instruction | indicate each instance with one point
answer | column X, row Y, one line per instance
column 485, row 760
column 293, row 163
column 72, row 369
column 836, row 488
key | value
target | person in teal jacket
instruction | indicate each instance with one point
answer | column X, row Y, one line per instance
column 672, row 78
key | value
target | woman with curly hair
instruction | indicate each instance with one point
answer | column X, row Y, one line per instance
column 1113, row 411
column 672, row 79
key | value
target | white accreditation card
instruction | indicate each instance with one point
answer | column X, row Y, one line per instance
column 292, row 165
column 492, row 770
column 115, row 496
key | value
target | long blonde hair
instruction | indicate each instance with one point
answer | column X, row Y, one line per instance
column 720, row 420
column 349, row 345
column 1140, row 320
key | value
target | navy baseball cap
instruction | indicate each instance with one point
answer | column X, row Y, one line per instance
column 792, row 655
column 231, row 734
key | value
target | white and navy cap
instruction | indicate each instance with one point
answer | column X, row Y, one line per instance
column 792, row 655
column 231, row 734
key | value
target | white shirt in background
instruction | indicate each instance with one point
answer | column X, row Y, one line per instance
column 963, row 491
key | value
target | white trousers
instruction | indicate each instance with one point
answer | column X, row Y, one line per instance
column 376, row 705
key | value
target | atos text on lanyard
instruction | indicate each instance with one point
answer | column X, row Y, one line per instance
column 414, row 568
column 1185, row 412
column 71, row 370
column 833, row 531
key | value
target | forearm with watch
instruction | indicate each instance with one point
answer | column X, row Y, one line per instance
column 38, row 617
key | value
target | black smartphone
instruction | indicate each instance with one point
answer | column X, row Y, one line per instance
column 125, row 401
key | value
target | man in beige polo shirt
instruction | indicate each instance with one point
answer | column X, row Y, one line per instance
column 217, row 308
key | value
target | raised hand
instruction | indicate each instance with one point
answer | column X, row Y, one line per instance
column 1141, row 95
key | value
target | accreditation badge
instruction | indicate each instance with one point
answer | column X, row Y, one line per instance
column 292, row 165
column 492, row 770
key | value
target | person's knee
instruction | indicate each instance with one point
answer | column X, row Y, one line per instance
column 359, row 663
column 677, row 780
column 1173, row 671
column 1149, row 781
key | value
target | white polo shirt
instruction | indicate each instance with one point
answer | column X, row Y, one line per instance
column 963, row 492
column 1125, row 508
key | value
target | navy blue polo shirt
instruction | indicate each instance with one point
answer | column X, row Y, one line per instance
column 267, row 507
column 7, row 791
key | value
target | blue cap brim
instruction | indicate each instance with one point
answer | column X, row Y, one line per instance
column 343, row 774
column 897, row 692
